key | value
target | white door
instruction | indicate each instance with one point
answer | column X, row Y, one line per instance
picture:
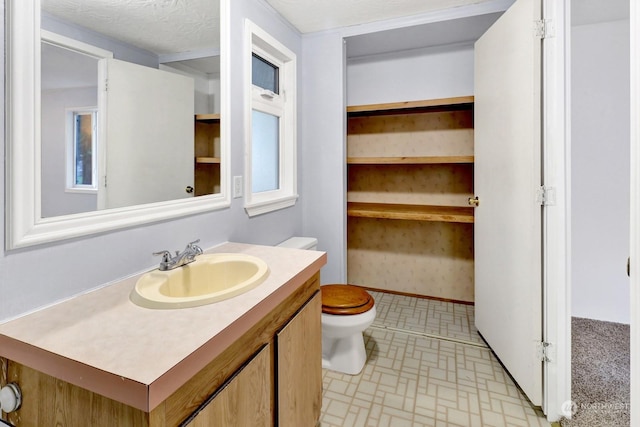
column 508, row 236
column 149, row 148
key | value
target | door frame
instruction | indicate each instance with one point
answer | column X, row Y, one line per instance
column 556, row 135
column 634, row 21
column 557, row 232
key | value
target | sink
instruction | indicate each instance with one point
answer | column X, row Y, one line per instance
column 210, row 278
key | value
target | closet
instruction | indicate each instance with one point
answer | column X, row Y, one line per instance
column 410, row 181
column 207, row 154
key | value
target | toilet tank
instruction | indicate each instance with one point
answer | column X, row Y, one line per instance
column 300, row 243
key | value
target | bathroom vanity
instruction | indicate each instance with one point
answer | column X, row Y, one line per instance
column 100, row 360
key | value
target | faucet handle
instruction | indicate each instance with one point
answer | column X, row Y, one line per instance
column 166, row 255
column 197, row 249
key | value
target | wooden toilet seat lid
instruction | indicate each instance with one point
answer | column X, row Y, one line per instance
column 345, row 299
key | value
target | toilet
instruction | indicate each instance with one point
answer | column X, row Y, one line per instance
column 347, row 311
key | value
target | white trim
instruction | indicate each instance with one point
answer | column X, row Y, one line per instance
column 75, row 45
column 635, row 212
column 184, row 56
column 557, row 218
column 225, row 101
column 24, row 223
column 81, row 190
column 51, row 21
column 259, row 41
column 273, row 204
column 22, row 124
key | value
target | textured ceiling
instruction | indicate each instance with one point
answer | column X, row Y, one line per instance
column 462, row 30
column 176, row 26
column 316, row 15
column 160, row 26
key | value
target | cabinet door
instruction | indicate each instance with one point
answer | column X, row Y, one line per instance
column 299, row 367
column 243, row 401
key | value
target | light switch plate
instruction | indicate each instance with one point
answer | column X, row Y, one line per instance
column 237, row 187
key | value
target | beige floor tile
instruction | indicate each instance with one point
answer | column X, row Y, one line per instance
column 427, row 366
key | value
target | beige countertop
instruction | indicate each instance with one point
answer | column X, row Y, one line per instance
column 103, row 342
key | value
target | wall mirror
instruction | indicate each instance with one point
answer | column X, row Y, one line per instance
column 115, row 114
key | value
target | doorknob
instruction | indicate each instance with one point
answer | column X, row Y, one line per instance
column 474, row 201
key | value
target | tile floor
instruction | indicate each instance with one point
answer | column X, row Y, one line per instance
column 427, row 366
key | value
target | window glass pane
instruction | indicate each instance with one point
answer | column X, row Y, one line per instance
column 83, row 134
column 264, row 74
column 265, row 152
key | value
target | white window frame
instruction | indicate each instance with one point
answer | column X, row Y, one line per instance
column 70, row 137
column 282, row 105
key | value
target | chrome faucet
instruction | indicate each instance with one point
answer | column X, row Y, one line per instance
column 181, row 258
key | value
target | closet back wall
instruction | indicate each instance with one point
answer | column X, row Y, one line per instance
column 410, row 75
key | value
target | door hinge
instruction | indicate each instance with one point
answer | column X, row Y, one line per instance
column 106, row 85
column 629, row 267
column 546, row 196
column 545, row 351
column 544, row 28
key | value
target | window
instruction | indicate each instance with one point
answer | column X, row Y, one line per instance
column 82, row 151
column 265, row 152
column 270, row 163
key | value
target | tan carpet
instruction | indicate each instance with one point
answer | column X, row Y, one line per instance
column 600, row 374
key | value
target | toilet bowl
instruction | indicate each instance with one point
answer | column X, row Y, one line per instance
column 347, row 311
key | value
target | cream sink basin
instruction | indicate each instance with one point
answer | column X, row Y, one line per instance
column 210, row 278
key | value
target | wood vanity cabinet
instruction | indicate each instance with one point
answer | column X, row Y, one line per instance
column 270, row 376
column 231, row 404
column 298, row 355
column 298, row 377
column 410, row 175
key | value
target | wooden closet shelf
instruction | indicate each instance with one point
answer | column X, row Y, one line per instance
column 209, row 160
column 408, row 105
column 410, row 212
column 409, row 160
column 208, row 117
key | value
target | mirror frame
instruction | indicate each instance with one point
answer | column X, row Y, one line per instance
column 24, row 224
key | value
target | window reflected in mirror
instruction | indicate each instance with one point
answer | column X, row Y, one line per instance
column 83, row 141
column 69, row 134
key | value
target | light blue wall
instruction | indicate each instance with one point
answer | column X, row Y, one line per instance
column 324, row 163
column 600, row 170
column 39, row 276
